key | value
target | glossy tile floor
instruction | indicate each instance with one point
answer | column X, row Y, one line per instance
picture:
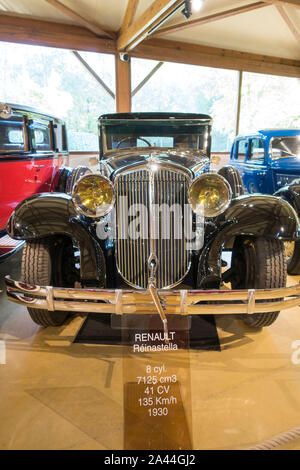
column 58, row 395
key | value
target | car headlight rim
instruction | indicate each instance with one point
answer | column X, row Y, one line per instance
column 101, row 209
column 211, row 178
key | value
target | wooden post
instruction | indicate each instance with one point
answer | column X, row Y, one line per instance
column 239, row 100
column 123, row 85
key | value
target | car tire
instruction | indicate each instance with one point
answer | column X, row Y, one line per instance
column 42, row 264
column 74, row 176
column 233, row 177
column 259, row 263
column 293, row 261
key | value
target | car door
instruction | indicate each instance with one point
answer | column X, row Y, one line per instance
column 239, row 154
column 43, row 164
column 256, row 167
column 16, row 160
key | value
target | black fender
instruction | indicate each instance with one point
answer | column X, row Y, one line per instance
column 63, row 176
column 251, row 215
column 231, row 174
column 74, row 176
column 47, row 214
column 291, row 194
column 68, row 177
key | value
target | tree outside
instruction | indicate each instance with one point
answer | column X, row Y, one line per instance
column 267, row 101
column 54, row 81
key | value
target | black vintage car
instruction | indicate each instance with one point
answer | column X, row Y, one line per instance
column 146, row 234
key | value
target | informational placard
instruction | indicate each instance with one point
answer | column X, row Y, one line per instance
column 157, row 395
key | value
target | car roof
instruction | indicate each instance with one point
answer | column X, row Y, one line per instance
column 19, row 109
column 155, row 116
column 271, row 133
column 279, row 132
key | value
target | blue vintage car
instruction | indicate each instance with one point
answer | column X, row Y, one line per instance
column 268, row 159
column 269, row 162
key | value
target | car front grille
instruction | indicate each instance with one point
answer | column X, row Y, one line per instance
column 169, row 187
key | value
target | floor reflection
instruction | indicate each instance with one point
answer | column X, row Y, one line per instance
column 57, row 394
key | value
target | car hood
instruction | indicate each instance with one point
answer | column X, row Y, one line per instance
column 289, row 165
column 193, row 160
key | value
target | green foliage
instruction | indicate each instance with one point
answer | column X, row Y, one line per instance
column 54, row 81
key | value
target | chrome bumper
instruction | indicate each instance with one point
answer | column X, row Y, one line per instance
column 178, row 302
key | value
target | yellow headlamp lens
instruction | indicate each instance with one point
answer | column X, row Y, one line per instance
column 93, row 195
column 209, row 195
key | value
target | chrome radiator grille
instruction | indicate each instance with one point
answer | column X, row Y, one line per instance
column 170, row 187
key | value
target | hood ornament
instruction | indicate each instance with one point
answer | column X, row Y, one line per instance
column 158, row 302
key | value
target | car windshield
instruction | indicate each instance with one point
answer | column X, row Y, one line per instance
column 286, row 147
column 145, row 134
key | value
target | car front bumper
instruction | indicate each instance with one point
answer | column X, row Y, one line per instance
column 178, row 302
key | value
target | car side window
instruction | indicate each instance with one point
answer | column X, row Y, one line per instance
column 12, row 136
column 241, row 149
column 42, row 139
column 257, row 151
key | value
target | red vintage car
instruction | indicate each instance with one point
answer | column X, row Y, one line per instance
column 34, row 159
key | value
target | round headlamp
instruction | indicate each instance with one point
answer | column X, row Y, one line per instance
column 93, row 195
column 210, row 194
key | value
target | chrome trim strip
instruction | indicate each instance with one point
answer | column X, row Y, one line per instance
column 172, row 166
column 152, row 226
column 251, row 301
column 176, row 302
column 118, row 301
column 50, row 298
column 183, row 302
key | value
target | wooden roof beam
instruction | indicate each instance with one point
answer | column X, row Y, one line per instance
column 210, row 18
column 46, row 33
column 98, row 30
column 194, row 54
column 129, row 15
column 287, row 3
column 289, row 22
column 26, row 30
column 155, row 15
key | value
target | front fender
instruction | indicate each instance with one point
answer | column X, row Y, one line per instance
column 261, row 216
column 254, row 216
column 291, row 194
column 48, row 214
column 61, row 179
